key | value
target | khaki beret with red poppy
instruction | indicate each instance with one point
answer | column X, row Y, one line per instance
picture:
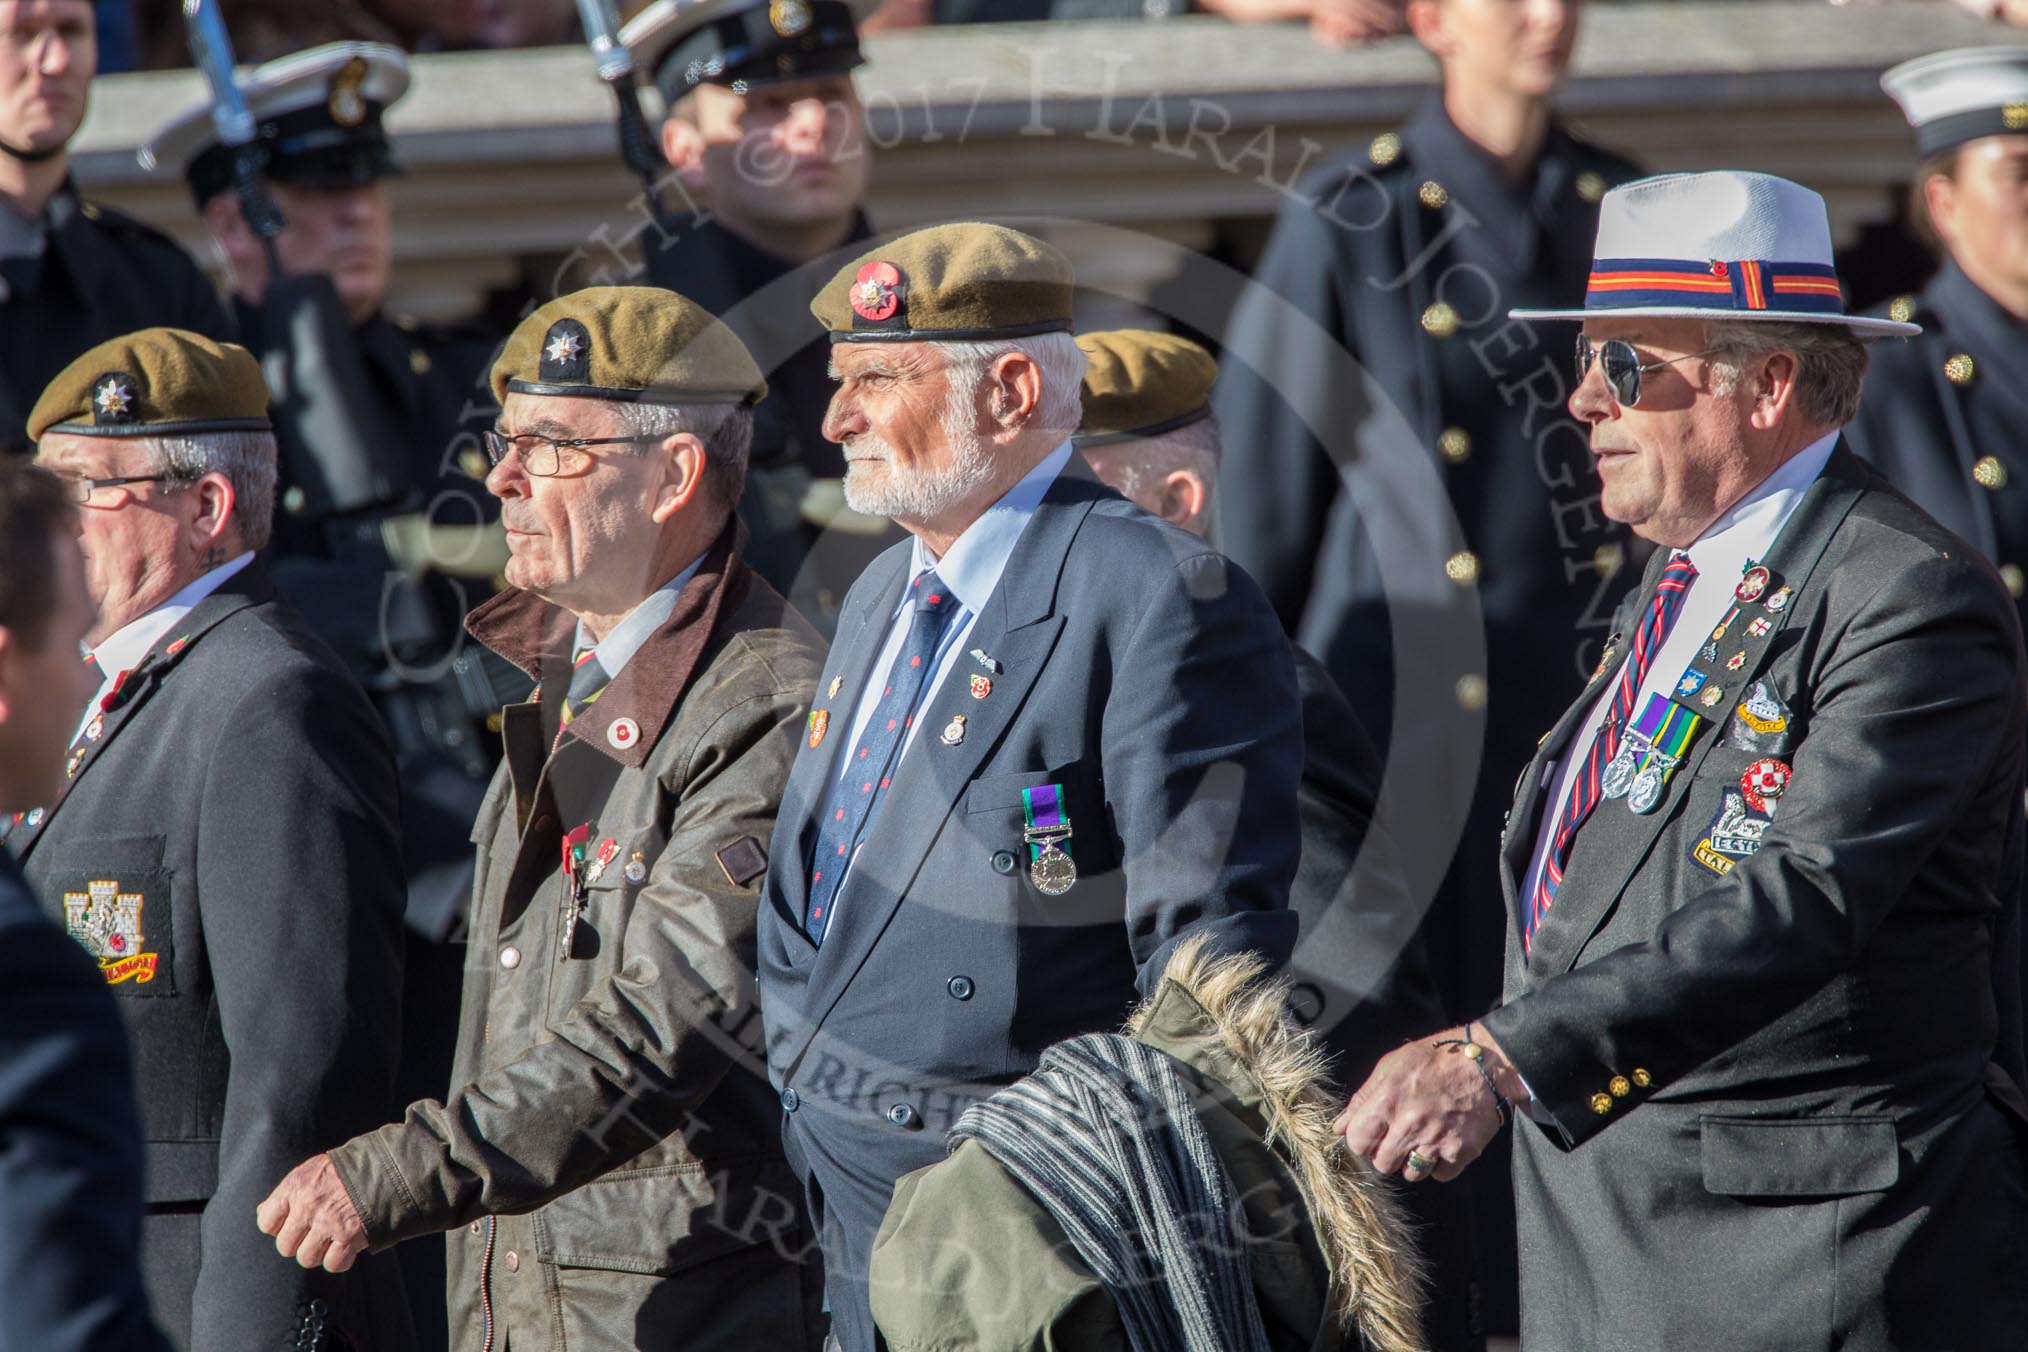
column 949, row 283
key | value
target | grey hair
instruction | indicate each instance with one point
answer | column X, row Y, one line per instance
column 1062, row 363
column 1193, row 446
column 725, row 429
column 1830, row 363
column 246, row 459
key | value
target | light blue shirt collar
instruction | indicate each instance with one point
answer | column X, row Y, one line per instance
column 972, row 566
column 618, row 647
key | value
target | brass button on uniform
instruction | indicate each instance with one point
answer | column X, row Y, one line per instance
column 1591, row 186
column 1990, row 473
column 1432, row 195
column 1900, row 308
column 1960, row 369
column 1384, row 149
column 1462, row 568
column 1440, row 320
column 1601, row 1104
column 1621, row 1086
column 513, row 1261
column 293, row 500
column 2010, row 573
column 1471, row 693
column 510, row 957
column 1642, row 1079
column 418, row 361
column 1455, row 444
column 475, row 464
column 1607, row 558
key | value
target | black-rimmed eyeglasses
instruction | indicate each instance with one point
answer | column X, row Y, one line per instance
column 543, row 456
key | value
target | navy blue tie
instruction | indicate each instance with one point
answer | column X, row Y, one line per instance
column 869, row 764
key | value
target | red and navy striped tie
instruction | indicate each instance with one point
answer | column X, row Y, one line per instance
column 1584, row 785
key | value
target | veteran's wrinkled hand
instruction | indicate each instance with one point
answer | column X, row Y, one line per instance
column 312, row 1217
column 1426, row 1111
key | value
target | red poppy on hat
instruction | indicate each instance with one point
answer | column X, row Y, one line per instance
column 876, row 292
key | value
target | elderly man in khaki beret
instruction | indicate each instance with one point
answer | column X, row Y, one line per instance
column 609, row 1157
column 1054, row 736
column 225, row 843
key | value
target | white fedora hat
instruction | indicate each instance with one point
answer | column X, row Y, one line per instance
column 1725, row 244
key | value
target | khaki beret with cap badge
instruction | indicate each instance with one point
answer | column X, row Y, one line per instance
column 630, row 344
column 949, row 283
column 1141, row 383
column 155, row 382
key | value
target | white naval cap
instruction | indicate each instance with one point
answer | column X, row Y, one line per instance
column 684, row 43
column 1726, row 244
column 1954, row 97
column 318, row 114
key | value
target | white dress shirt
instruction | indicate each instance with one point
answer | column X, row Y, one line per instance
column 125, row 647
column 624, row 639
column 1746, row 532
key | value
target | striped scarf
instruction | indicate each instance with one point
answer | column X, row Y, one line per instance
column 1105, row 1135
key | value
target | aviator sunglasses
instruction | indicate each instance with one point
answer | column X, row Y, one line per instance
column 1623, row 368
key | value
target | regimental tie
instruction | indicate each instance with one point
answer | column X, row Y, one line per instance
column 588, row 680
column 1585, row 788
column 857, row 790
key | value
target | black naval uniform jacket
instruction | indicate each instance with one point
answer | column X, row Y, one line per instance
column 1782, row 1050
column 101, row 274
column 70, row 1146
column 1945, row 417
column 1410, row 256
column 766, row 300
column 1131, row 665
column 1420, row 488
column 234, row 825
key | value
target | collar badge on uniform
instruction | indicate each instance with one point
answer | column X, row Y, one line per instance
column 982, row 686
column 876, row 292
column 636, row 869
column 346, row 104
column 113, row 399
column 954, row 731
column 623, row 733
column 820, row 719
column 790, row 18
column 1780, row 600
column 1753, row 584
column 566, row 353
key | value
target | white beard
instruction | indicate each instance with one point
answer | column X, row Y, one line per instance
column 922, row 495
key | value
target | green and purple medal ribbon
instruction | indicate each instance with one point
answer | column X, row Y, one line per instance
column 1042, row 806
column 1666, row 727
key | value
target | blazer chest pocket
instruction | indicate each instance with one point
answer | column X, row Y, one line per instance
column 1799, row 1157
column 115, row 899
column 996, row 816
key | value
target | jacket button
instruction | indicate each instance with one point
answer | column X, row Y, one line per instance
column 473, row 1227
column 1601, row 1104
column 513, row 1261
column 510, row 957
column 1621, row 1086
column 791, row 1100
column 902, row 1115
column 1642, row 1079
column 1462, row 568
column 541, row 823
column 1989, row 473
column 960, row 987
column 1003, row 862
column 1456, row 445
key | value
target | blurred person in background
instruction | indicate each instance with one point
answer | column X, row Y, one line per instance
column 765, row 132
column 387, row 574
column 72, row 273
column 1410, row 253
